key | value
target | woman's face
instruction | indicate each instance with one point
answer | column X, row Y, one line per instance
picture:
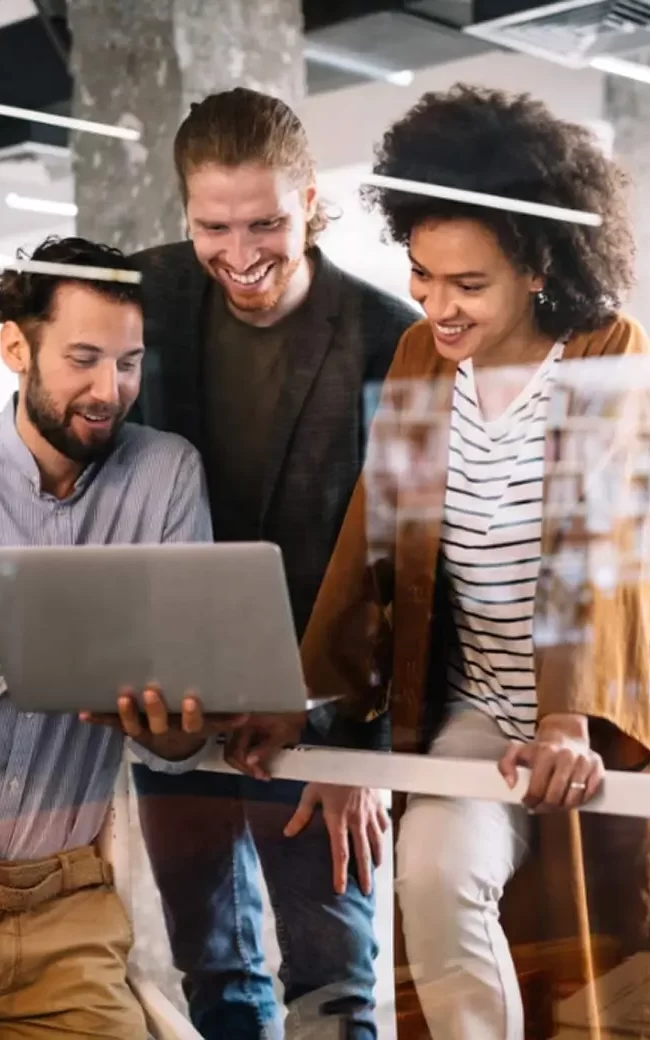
column 473, row 296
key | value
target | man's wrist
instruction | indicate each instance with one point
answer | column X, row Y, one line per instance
column 173, row 747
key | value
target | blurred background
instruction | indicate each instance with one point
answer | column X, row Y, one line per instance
column 349, row 66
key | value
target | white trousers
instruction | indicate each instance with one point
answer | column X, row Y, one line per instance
column 454, row 857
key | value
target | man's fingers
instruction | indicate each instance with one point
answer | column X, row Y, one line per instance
column 302, row 815
column 240, row 754
column 236, row 749
column 156, row 711
column 298, row 822
column 340, row 854
column 383, row 819
column 101, row 720
column 260, row 757
column 129, row 716
column 376, row 839
column 191, row 714
column 363, row 855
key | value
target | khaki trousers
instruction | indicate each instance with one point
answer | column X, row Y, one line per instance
column 64, row 943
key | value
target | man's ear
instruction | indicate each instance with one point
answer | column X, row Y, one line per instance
column 311, row 201
column 14, row 348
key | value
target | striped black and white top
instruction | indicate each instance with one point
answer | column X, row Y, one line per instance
column 491, row 540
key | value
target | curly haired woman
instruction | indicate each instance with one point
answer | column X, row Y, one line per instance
column 442, row 562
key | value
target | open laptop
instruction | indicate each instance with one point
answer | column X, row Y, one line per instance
column 79, row 623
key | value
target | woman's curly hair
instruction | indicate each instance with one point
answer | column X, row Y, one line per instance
column 488, row 141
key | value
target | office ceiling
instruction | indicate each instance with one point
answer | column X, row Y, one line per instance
column 34, row 42
column 347, row 42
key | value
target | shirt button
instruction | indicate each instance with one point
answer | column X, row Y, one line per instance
column 14, row 785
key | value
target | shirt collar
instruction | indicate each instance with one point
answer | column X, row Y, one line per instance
column 13, row 447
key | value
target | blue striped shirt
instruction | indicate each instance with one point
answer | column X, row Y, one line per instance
column 56, row 773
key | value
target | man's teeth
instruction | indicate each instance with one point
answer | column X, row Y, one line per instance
column 94, row 418
column 250, row 279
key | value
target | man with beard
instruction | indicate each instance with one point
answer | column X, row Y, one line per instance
column 259, row 351
column 72, row 472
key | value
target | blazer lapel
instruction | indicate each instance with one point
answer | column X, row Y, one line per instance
column 179, row 356
column 310, row 344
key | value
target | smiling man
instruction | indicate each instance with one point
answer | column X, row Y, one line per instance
column 73, row 472
column 259, row 351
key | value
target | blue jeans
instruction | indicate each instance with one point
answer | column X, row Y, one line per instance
column 206, row 840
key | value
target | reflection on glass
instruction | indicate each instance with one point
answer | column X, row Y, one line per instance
column 487, row 595
column 488, row 586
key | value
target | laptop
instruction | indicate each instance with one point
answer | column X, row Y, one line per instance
column 79, row 623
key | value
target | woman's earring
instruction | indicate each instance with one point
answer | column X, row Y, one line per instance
column 545, row 300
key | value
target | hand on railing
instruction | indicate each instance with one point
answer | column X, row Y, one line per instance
column 565, row 772
column 253, row 746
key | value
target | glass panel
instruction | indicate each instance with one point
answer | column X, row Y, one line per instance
column 461, row 508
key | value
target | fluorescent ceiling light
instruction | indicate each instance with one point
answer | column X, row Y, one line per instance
column 479, row 198
column 58, row 209
column 347, row 61
column 621, row 67
column 97, row 274
column 403, row 78
column 50, row 119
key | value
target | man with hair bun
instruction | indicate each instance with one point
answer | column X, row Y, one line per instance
column 260, row 351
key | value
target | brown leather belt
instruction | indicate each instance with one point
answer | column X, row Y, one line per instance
column 25, row 885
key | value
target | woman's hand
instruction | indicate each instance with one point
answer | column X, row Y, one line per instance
column 564, row 771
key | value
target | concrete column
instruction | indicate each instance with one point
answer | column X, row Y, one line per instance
column 627, row 108
column 140, row 65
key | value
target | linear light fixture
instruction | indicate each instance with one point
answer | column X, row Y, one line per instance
column 58, row 209
column 96, row 274
column 51, row 119
column 479, row 198
column 621, row 67
column 348, row 61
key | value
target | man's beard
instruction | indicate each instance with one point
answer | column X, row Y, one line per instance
column 254, row 303
column 56, row 428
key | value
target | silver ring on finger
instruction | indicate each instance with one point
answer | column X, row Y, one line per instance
column 576, row 785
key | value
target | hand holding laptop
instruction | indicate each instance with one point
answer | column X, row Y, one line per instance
column 147, row 721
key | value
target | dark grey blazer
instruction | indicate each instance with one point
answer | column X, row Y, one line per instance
column 343, row 347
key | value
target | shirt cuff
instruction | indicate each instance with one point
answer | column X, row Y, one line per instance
column 165, row 765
